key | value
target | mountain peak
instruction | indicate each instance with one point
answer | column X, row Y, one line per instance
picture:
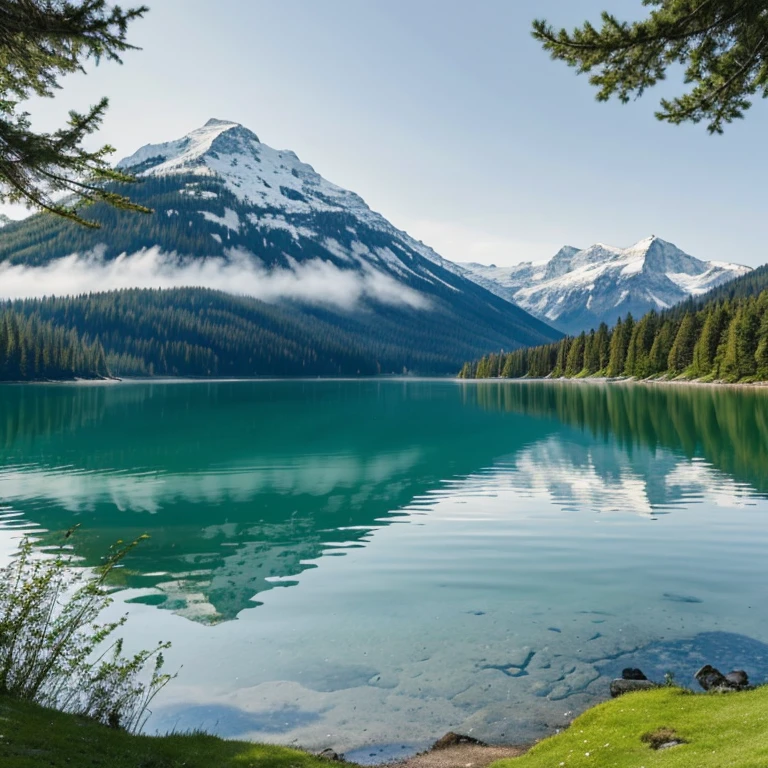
column 190, row 152
column 576, row 290
column 214, row 121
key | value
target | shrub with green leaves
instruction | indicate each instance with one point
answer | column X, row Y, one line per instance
column 55, row 651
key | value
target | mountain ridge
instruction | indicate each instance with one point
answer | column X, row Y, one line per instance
column 577, row 289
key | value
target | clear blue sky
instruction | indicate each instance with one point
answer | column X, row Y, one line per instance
column 446, row 117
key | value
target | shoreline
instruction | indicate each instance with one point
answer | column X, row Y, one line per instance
column 596, row 381
column 590, row 380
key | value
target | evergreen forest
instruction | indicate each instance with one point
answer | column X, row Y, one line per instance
column 204, row 333
column 720, row 337
column 34, row 348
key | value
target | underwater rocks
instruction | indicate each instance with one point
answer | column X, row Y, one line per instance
column 452, row 739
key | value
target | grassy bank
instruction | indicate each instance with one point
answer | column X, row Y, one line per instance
column 34, row 737
column 721, row 731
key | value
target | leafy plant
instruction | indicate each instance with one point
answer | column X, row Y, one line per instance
column 55, row 652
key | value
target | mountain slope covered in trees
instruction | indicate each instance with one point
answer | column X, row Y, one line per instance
column 723, row 336
column 333, row 287
column 200, row 332
column 35, row 348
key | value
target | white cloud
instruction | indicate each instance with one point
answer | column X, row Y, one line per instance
column 312, row 282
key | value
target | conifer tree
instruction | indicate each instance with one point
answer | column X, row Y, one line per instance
column 660, row 349
column 603, row 344
column 618, row 350
column 561, row 362
column 747, row 339
column 723, row 45
column 681, row 354
column 591, row 354
column 42, row 41
column 640, row 345
column 706, row 346
column 761, row 354
column 630, row 363
column 575, row 362
column 729, row 365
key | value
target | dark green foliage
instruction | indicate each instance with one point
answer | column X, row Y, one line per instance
column 658, row 357
column 618, row 346
column 722, row 44
column 200, row 332
column 41, row 42
column 640, row 344
column 718, row 340
column 575, row 361
column 32, row 347
column 705, row 349
column 603, row 347
column 591, row 355
column 681, row 353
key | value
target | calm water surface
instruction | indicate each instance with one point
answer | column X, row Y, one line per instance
column 368, row 564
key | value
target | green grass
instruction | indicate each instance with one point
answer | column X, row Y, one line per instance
column 722, row 731
column 34, row 737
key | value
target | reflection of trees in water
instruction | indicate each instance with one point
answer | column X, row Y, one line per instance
column 727, row 427
column 25, row 414
column 242, row 491
column 237, row 489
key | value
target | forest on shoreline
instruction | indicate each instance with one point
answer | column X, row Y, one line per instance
column 722, row 339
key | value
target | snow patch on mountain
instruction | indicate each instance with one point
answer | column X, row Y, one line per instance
column 278, row 191
column 230, row 219
column 577, row 289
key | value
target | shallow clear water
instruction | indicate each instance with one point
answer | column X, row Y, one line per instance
column 367, row 564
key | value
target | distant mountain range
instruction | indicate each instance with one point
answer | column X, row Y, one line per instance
column 234, row 215
column 578, row 289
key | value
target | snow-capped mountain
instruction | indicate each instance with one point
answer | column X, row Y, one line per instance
column 577, row 289
column 233, row 214
column 272, row 190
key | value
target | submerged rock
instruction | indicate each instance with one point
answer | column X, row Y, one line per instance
column 632, row 673
column 621, row 686
column 452, row 739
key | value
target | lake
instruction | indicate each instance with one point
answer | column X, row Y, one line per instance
column 365, row 565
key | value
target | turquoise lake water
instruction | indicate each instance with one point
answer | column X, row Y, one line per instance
column 365, row 565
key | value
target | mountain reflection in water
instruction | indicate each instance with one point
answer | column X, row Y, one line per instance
column 243, row 486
